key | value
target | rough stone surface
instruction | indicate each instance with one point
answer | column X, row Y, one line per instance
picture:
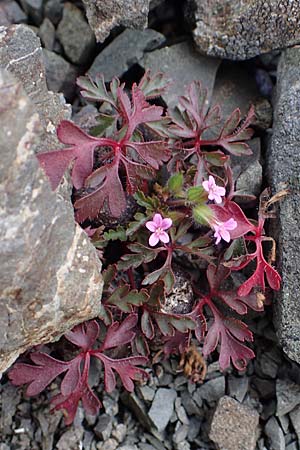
column 234, row 426
column 75, row 35
column 60, row 74
column 53, row 10
column 295, row 419
column 288, row 396
column 34, row 9
column 162, row 407
column 47, row 34
column 21, row 54
column 50, row 273
column 10, row 12
column 283, row 163
column 104, row 15
column 124, row 51
column 275, row 434
column 243, row 29
column 192, row 67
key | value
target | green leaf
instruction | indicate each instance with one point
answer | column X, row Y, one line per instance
column 105, row 122
column 94, row 90
column 175, row 183
column 125, row 299
column 104, row 315
column 140, row 220
column 147, row 324
column 168, row 322
column 217, row 158
column 196, row 194
column 153, row 85
column 151, row 203
column 141, row 254
column 109, row 275
column 165, row 274
column 202, row 214
column 113, row 235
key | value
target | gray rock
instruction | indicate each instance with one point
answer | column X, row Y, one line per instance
column 50, row 273
column 292, row 446
column 181, row 432
column 110, row 403
column 60, row 74
column 137, row 406
column 268, row 367
column 284, row 423
column 146, row 392
column 210, row 391
column 9, row 398
column 47, row 34
column 275, row 434
column 283, row 168
column 192, row 66
column 119, row 432
column 110, row 444
column 295, row 419
column 86, row 118
column 251, row 179
column 21, row 54
column 103, row 428
column 104, row 15
column 234, row 426
column 183, row 446
column 189, row 404
column 75, row 35
column 194, row 428
column 162, row 407
column 34, row 9
column 238, row 387
column 242, row 30
column 70, row 439
column 234, row 88
column 53, row 9
column 124, row 51
column 288, row 396
column 180, row 412
column 10, row 12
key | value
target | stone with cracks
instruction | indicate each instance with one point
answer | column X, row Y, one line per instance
column 243, row 29
column 105, row 15
column 283, row 164
column 192, row 66
column 234, row 426
column 22, row 55
column 50, row 273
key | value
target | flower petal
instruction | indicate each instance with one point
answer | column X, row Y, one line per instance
column 217, row 236
column 153, row 240
column 225, row 235
column 230, row 224
column 164, row 237
column 205, row 185
column 157, row 219
column 151, row 226
column 166, row 223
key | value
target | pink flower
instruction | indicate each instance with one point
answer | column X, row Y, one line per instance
column 222, row 229
column 158, row 226
column 214, row 192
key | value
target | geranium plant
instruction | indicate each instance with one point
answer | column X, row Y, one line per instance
column 157, row 196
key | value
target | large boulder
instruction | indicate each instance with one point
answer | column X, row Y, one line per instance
column 22, row 55
column 243, row 29
column 105, row 15
column 50, row 273
column 283, row 163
